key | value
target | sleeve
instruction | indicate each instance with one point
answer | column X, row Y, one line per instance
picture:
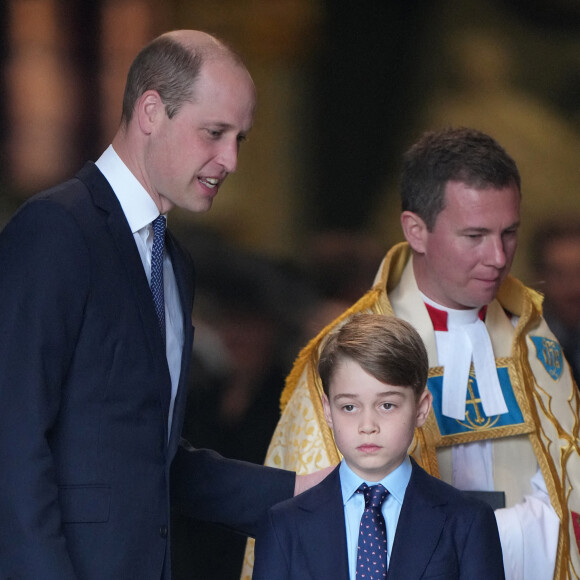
column 232, row 493
column 42, row 287
column 481, row 558
column 529, row 534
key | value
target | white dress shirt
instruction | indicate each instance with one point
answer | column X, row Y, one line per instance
column 140, row 210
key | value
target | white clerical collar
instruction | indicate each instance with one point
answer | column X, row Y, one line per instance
column 443, row 318
column 462, row 337
column 138, row 206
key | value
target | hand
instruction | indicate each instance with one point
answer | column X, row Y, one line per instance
column 304, row 482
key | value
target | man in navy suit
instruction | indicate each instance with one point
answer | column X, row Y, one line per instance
column 92, row 383
column 373, row 371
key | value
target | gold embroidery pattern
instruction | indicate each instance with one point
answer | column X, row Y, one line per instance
column 555, row 441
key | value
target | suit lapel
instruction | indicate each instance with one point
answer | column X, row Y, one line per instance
column 419, row 528
column 183, row 270
column 104, row 198
column 322, row 530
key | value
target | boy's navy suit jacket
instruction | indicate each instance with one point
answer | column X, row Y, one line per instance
column 84, row 398
column 442, row 534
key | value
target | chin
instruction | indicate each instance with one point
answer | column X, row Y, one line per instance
column 480, row 300
column 200, row 206
column 485, row 300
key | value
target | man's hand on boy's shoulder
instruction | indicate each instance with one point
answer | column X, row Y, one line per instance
column 304, row 482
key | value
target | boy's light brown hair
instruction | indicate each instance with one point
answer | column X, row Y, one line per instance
column 387, row 348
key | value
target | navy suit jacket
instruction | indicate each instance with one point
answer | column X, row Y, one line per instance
column 84, row 399
column 441, row 534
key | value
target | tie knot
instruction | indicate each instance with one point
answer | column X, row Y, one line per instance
column 374, row 495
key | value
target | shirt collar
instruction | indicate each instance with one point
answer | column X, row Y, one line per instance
column 396, row 481
column 444, row 318
column 138, row 206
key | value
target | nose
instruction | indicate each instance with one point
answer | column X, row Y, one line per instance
column 495, row 252
column 367, row 423
column 228, row 155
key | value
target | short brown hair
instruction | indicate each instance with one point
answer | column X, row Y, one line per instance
column 171, row 67
column 386, row 347
column 452, row 154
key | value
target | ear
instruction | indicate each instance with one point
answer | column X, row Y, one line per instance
column 423, row 407
column 148, row 110
column 326, row 407
column 415, row 231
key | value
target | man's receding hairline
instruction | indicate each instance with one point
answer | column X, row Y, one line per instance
column 208, row 47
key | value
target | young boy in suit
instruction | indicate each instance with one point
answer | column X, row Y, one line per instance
column 378, row 510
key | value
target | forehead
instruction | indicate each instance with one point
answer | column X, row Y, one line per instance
column 223, row 98
column 220, row 78
column 351, row 379
column 466, row 205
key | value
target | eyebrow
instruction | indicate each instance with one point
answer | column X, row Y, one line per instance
column 485, row 230
column 228, row 127
column 378, row 395
column 512, row 226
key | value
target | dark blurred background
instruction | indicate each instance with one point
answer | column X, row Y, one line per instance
column 344, row 87
column 296, row 235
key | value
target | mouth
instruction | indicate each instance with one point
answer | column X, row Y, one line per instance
column 368, row 448
column 210, row 182
column 490, row 281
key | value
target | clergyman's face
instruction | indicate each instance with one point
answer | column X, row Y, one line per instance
column 193, row 152
column 463, row 261
column 373, row 422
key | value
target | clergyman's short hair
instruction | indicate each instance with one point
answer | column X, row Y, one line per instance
column 387, row 348
column 452, row 154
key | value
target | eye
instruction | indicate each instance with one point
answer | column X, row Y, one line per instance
column 387, row 406
column 510, row 233
column 348, row 408
column 214, row 133
column 241, row 138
